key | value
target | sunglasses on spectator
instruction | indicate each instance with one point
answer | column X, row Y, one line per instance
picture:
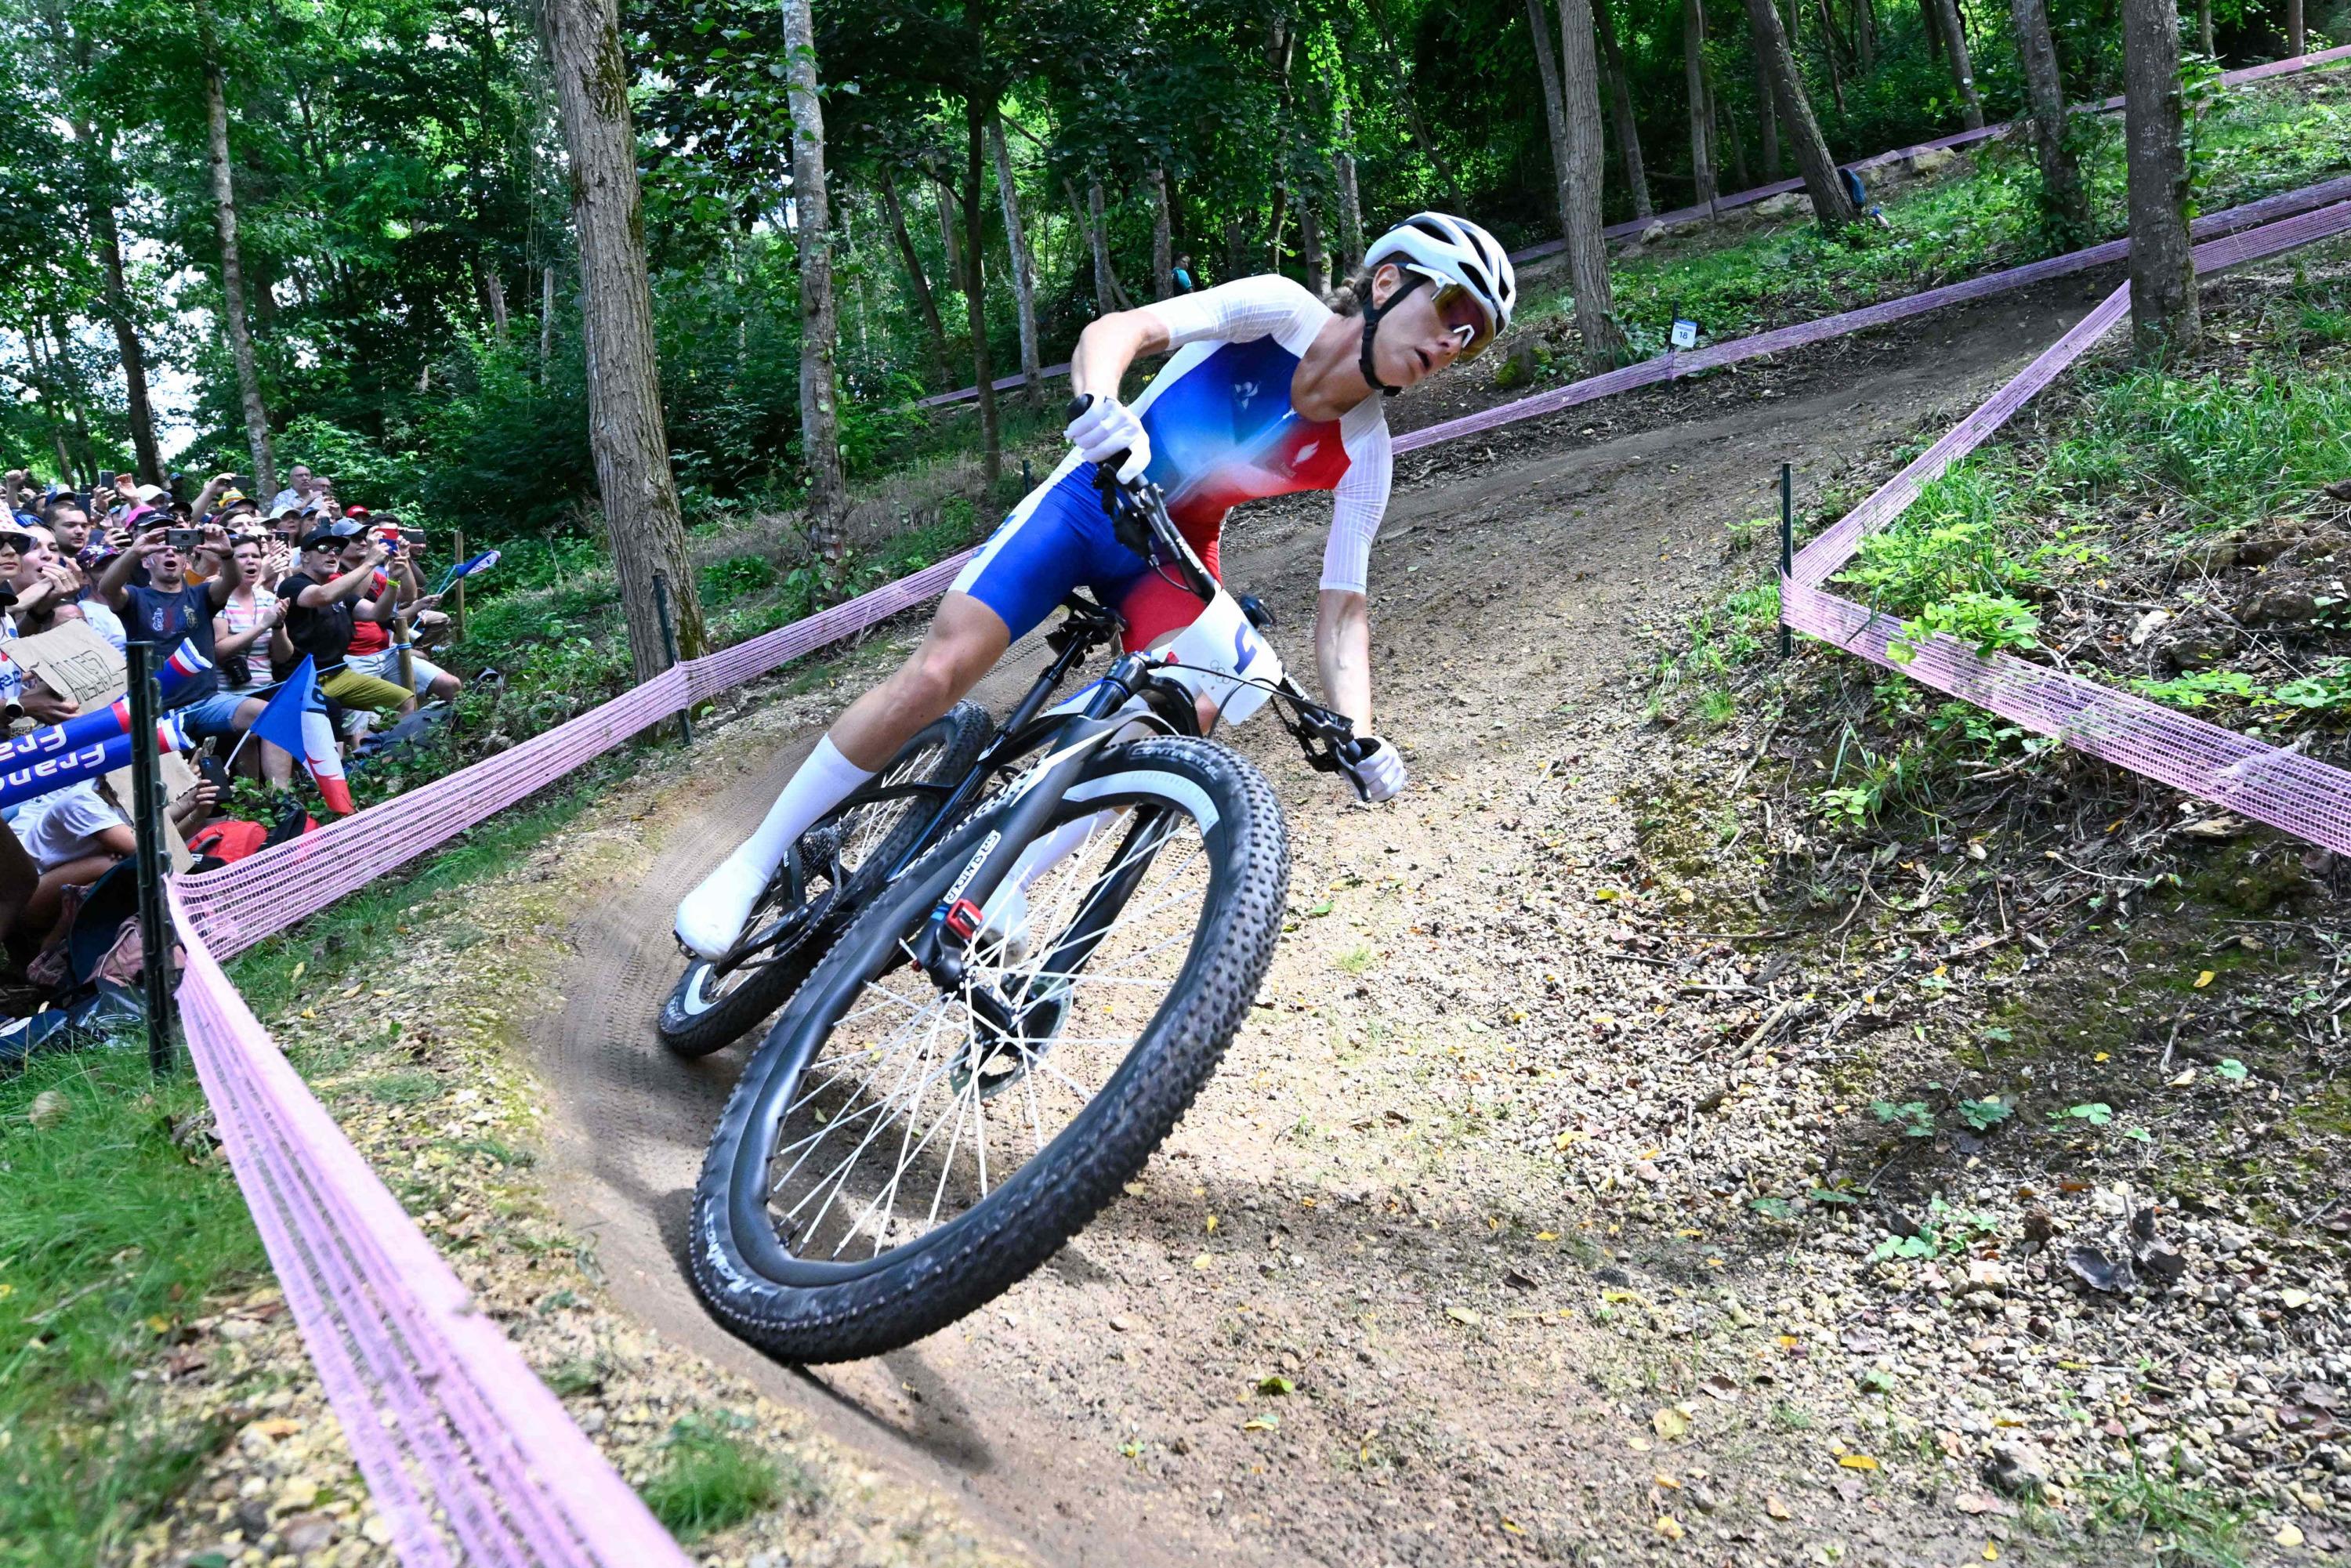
column 20, row 543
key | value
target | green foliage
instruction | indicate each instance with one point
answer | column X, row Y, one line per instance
column 1912, row 1117
column 712, row 1477
column 117, row 1238
column 1983, row 1115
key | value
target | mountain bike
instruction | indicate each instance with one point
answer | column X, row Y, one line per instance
column 1020, row 966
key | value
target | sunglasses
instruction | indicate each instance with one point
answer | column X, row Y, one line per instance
column 1465, row 318
column 20, row 543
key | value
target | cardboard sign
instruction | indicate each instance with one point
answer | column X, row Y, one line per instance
column 1684, row 333
column 74, row 661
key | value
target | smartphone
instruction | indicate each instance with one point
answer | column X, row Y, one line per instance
column 184, row 540
column 413, row 538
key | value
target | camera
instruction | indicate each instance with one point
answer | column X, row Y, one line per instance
column 184, row 540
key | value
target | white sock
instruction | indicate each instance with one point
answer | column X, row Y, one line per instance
column 823, row 781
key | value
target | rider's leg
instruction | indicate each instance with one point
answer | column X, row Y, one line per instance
column 966, row 640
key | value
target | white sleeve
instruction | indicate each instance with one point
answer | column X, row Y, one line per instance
column 1357, row 504
column 1237, row 312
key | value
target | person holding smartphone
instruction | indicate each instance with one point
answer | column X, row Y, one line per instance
column 167, row 608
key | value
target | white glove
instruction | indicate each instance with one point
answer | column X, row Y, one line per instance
column 1378, row 772
column 1107, row 428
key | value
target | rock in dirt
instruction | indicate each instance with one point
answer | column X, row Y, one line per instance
column 2016, row 1471
column 2096, row 1269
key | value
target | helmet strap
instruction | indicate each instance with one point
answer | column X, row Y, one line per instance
column 1373, row 311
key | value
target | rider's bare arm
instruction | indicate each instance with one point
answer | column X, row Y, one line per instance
column 1109, row 345
column 1342, row 652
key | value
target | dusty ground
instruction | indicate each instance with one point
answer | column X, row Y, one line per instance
column 1483, row 1168
column 1484, row 1362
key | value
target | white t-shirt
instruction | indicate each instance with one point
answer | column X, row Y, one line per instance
column 64, row 826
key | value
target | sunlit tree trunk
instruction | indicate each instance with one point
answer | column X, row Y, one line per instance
column 1554, row 113
column 625, row 431
column 240, row 338
column 1620, row 109
column 2062, row 194
column 1586, row 162
column 1024, row 267
column 1694, row 77
column 918, row 284
column 494, row 294
column 820, row 321
column 980, row 112
column 1822, row 183
column 1351, row 201
column 2164, row 314
column 1163, row 237
column 1963, row 72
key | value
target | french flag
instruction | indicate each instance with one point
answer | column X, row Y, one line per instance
column 295, row 721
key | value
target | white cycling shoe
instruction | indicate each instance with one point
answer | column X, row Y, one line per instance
column 711, row 919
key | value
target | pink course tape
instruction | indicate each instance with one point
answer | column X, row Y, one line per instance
column 467, row 1455
column 2286, row 789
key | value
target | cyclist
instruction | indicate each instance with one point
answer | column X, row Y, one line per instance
column 1268, row 391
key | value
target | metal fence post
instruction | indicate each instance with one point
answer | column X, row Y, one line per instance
column 1787, row 551
column 669, row 646
column 147, row 813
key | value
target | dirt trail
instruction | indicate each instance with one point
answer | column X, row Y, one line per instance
column 1399, row 1261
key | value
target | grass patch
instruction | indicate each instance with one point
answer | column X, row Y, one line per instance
column 2171, row 1521
column 711, row 1479
column 111, row 1238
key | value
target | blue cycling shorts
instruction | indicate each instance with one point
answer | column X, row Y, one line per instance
column 1058, row 538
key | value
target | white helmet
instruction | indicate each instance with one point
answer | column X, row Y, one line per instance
column 1446, row 249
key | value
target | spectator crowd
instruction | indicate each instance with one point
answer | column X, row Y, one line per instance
column 258, row 587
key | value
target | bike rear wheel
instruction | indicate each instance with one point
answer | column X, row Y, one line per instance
column 715, row 1004
column 892, row 1158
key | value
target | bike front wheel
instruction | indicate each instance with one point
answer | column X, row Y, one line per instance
column 715, row 1004
column 895, row 1155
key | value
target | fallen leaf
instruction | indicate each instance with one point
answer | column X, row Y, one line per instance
column 1670, row 1423
column 1720, row 1387
column 1261, row 1424
column 1212, row 1224
column 1464, row 1315
column 1991, row 1550
column 1856, row 1461
column 1275, row 1383
column 1639, row 1444
column 1202, row 1261
column 1669, row 1527
column 1546, row 1235
column 1774, row 1506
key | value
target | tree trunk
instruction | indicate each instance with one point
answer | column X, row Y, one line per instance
column 1024, row 266
column 1830, row 204
column 1864, row 33
column 494, row 294
column 1351, row 201
column 1694, row 77
column 1829, row 53
column 2296, row 40
column 626, row 435
column 1235, row 250
column 240, row 340
column 1769, row 119
column 1931, row 26
column 819, row 322
column 2164, row 317
column 1620, row 109
column 1163, row 237
column 1109, row 293
column 915, row 281
column 546, row 319
column 1955, row 43
column 950, row 242
column 1585, row 168
column 2062, row 198
column 2204, row 27
column 979, row 111
column 1554, row 112
column 148, row 458
column 1311, row 248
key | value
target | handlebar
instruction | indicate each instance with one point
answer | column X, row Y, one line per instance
column 1138, row 512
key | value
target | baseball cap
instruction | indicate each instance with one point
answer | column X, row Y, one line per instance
column 151, row 494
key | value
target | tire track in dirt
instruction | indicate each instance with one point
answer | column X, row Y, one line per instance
column 1512, row 580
